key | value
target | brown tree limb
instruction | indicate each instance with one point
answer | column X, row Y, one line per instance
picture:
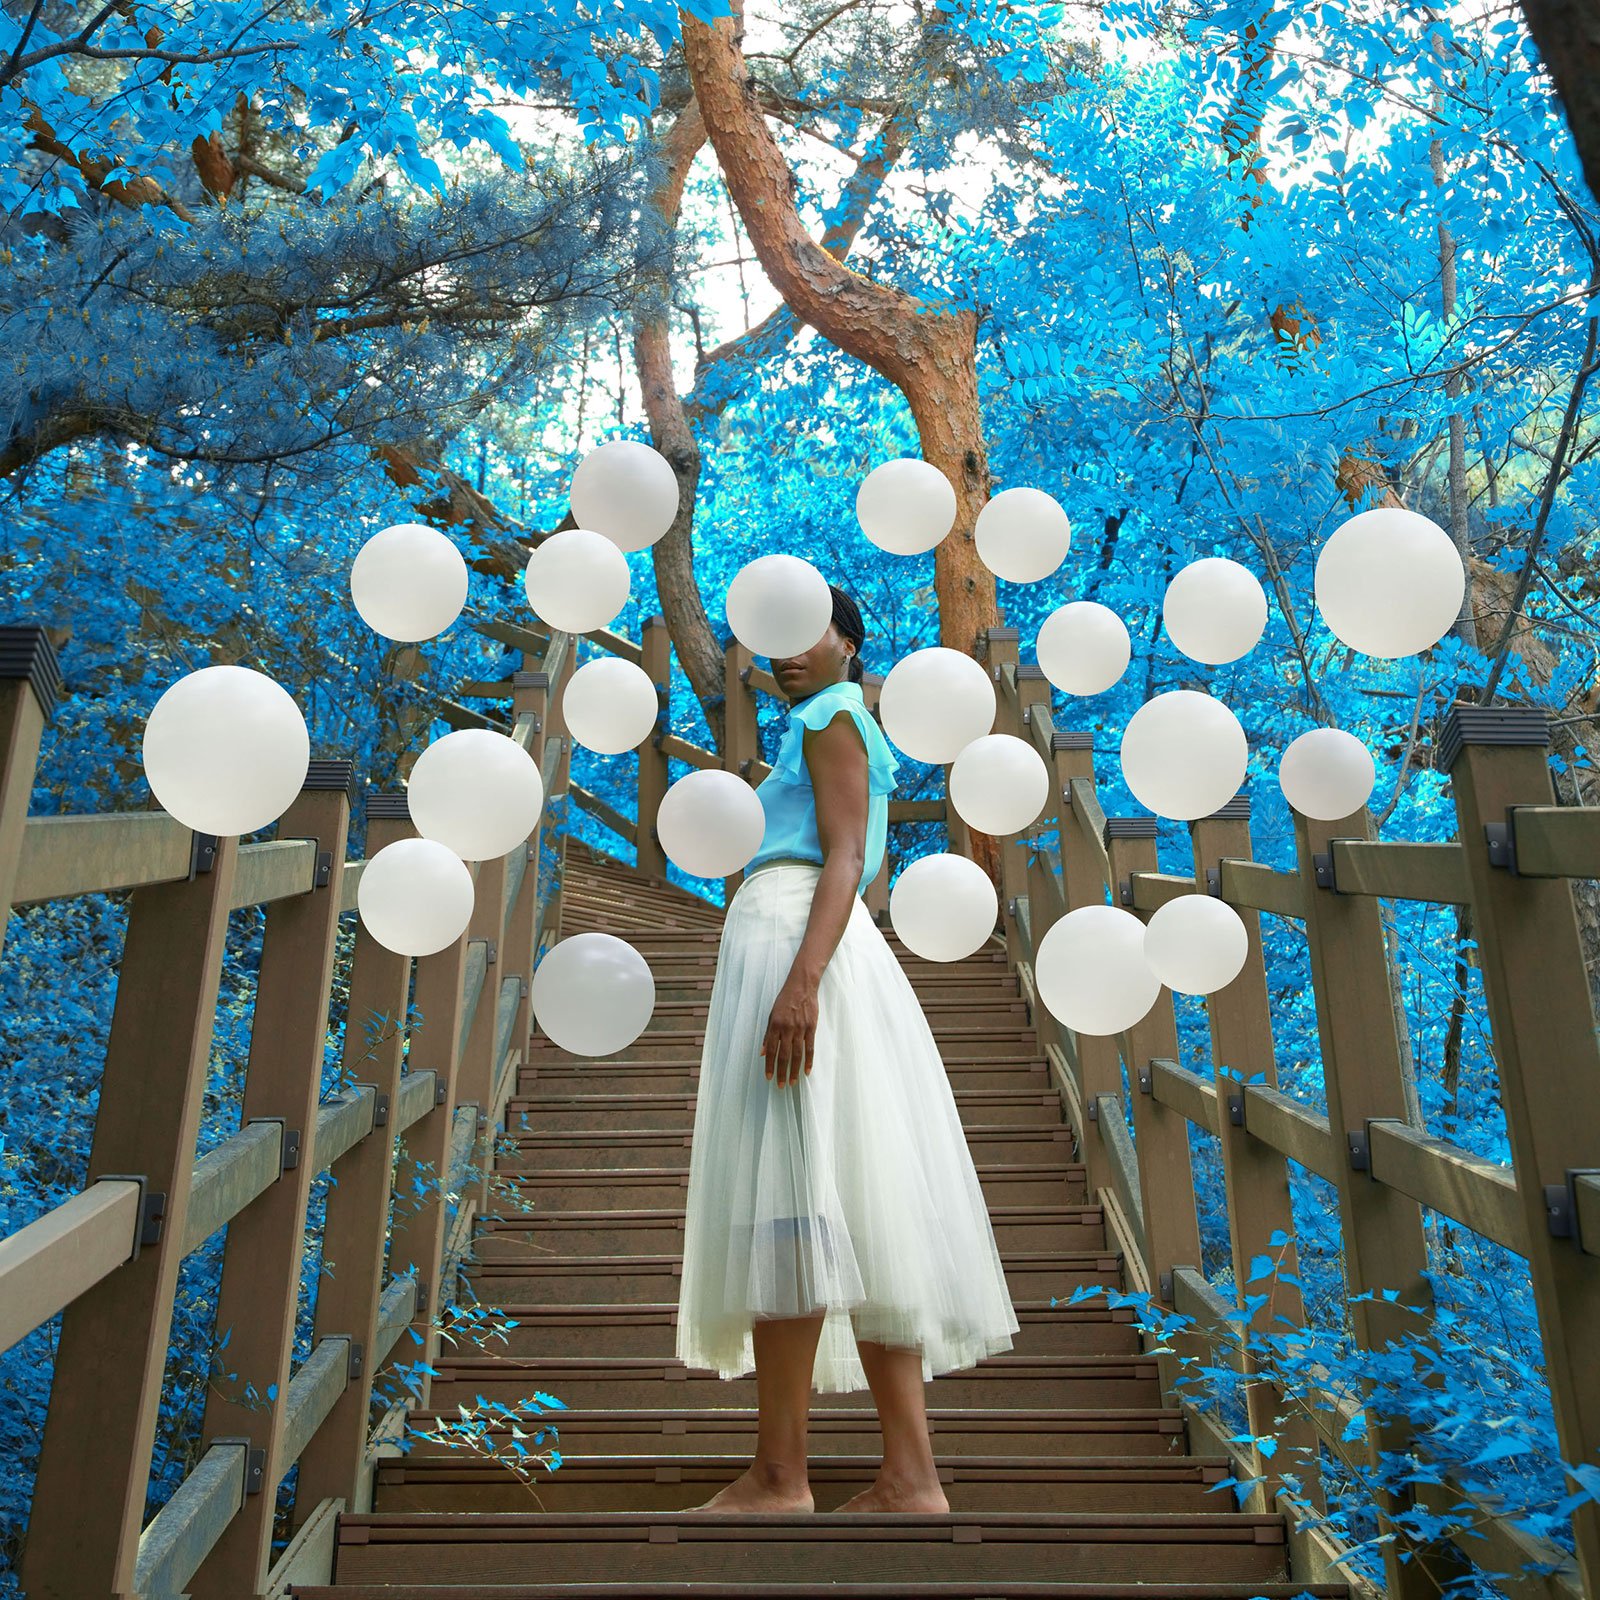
column 1567, row 33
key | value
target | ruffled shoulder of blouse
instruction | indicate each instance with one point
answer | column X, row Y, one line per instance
column 817, row 712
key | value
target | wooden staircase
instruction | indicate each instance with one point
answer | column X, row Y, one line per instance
column 1065, row 1473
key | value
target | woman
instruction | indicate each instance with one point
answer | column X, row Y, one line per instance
column 835, row 1232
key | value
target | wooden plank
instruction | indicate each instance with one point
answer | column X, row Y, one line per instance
column 1478, row 1193
column 653, row 780
column 1152, row 890
column 414, row 1099
column 308, row 1557
column 1557, row 841
column 1261, row 888
column 60, row 1255
column 186, row 1529
column 349, row 884
column 1436, row 872
column 312, row 1394
column 1288, row 1127
column 761, row 680
column 342, row 1123
column 29, row 677
column 1122, row 1164
column 609, row 815
column 62, row 856
column 229, row 1177
column 677, row 749
column 1193, row 1097
column 275, row 871
column 1091, row 822
column 916, row 810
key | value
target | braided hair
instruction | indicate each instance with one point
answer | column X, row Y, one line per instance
column 847, row 617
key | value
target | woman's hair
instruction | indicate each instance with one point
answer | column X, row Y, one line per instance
column 847, row 616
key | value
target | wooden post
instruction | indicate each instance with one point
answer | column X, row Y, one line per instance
column 655, row 653
column 1014, row 712
column 30, row 679
column 741, row 743
column 356, row 1223
column 261, row 1261
column 877, row 894
column 1255, row 1176
column 475, row 1075
column 1363, row 1069
column 94, row 1467
column 556, row 721
column 1531, row 956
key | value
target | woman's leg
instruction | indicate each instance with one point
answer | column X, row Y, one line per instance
column 786, row 1352
column 908, row 1479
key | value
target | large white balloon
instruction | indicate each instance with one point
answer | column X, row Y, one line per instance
column 1022, row 535
column 1389, row 582
column 415, row 897
column 408, row 582
column 1327, row 773
column 609, row 705
column 226, row 750
column 943, row 907
column 1184, row 754
column 627, row 491
column 778, row 606
column 577, row 580
column 477, row 792
column 592, row 994
column 935, row 702
column 1215, row 610
column 1091, row 970
column 999, row 784
column 1196, row 944
column 1083, row 647
column 906, row 506
column 710, row 823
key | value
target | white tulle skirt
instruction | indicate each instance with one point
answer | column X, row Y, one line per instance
column 852, row 1190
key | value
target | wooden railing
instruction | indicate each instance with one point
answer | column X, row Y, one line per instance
column 107, row 1260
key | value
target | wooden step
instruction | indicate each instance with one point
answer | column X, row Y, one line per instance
column 616, row 1076
column 986, row 1588
column 624, row 1546
column 1001, row 1010
column 1005, row 1382
column 683, row 1043
column 660, row 1231
column 645, row 1279
column 673, row 1482
column 650, row 1330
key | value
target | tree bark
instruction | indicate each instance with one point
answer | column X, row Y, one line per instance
column 1567, row 33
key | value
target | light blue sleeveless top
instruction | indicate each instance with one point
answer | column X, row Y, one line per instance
column 786, row 794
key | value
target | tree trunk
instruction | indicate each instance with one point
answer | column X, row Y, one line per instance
column 1567, row 33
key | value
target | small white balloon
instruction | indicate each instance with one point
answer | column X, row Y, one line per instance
column 1022, row 535
column 778, row 606
column 906, row 506
column 609, row 705
column 576, row 580
column 415, row 897
column 627, row 491
column 1184, row 754
column 477, row 792
column 1196, row 944
column 592, row 994
column 1091, row 970
column 999, row 784
column 1389, row 582
column 408, row 582
column 710, row 823
column 1215, row 610
column 1327, row 774
column 935, row 702
column 226, row 750
column 943, row 907
column 1083, row 647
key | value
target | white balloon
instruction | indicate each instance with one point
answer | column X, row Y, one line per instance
column 592, row 994
column 1196, row 944
column 408, row 582
column 609, row 705
column 1389, row 582
column 226, row 750
column 935, row 702
column 1083, row 647
column 778, row 606
column 1184, row 754
column 906, row 506
column 627, row 491
column 999, row 784
column 710, row 823
column 1022, row 535
column 943, row 907
column 415, row 897
column 1215, row 610
column 577, row 580
column 1091, row 970
column 477, row 792
column 1327, row 774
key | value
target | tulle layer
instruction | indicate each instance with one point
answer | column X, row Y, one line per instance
column 851, row 1191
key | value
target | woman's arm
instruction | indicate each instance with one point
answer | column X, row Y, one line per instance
column 836, row 758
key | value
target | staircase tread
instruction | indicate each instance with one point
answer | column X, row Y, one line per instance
column 984, row 1589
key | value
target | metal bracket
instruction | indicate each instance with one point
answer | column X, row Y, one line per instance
column 1561, row 1204
column 745, row 765
column 1094, row 1111
column 324, row 874
column 1322, row 870
column 744, row 674
column 1214, row 882
column 1164, row 1287
column 202, row 854
column 288, row 1143
column 439, row 1088
column 380, row 1104
column 1236, row 1109
column 255, row 1460
column 491, row 952
column 1011, row 908
column 1027, row 715
column 152, row 1208
column 357, row 1360
column 1359, row 1141
column 1125, row 890
column 422, row 1297
column 1145, row 1079
column 1501, row 837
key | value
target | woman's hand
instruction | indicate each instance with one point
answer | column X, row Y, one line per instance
column 791, row 1032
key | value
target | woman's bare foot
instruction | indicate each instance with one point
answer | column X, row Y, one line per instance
column 891, row 1492
column 763, row 1489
